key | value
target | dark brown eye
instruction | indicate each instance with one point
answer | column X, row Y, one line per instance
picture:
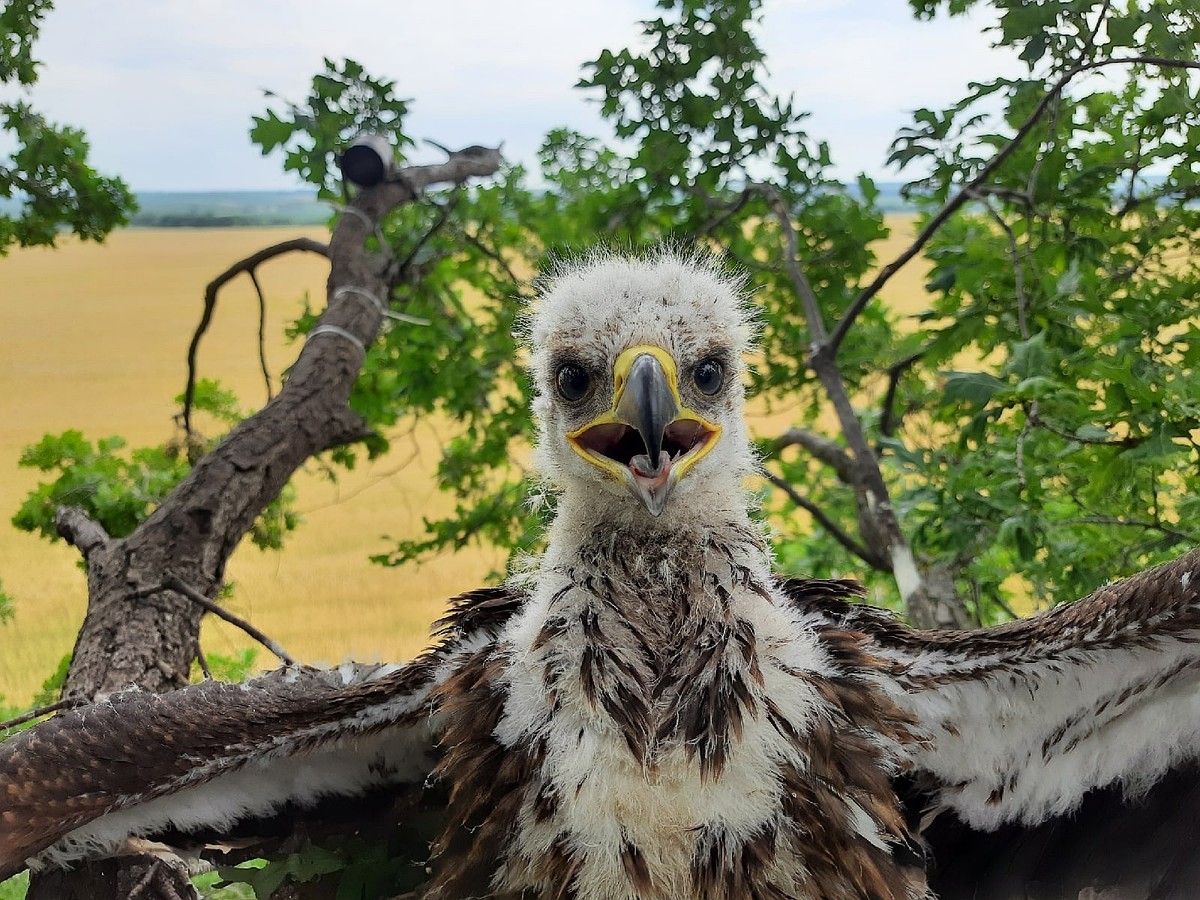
column 709, row 376
column 573, row 382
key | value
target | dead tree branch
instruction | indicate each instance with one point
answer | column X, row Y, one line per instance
column 38, row 712
column 179, row 586
column 248, row 265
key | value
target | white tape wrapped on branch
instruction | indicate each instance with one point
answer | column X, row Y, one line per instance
column 363, row 294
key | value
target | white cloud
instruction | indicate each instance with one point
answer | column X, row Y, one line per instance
column 165, row 88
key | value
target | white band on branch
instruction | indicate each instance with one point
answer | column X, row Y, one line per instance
column 338, row 332
column 363, row 294
column 354, row 210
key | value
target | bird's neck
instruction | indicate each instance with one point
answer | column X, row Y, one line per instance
column 652, row 631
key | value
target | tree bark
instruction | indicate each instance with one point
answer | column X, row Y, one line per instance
column 132, row 635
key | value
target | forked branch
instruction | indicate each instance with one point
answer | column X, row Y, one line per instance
column 248, row 266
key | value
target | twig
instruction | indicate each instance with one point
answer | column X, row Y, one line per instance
column 1018, row 263
column 179, row 586
column 249, row 264
column 39, row 712
column 800, row 283
column 955, row 202
column 202, row 662
column 262, row 333
column 1136, row 523
column 493, row 255
column 1089, row 37
column 730, row 210
column 827, row 451
column 827, row 523
column 896, row 370
column 444, row 210
column 1037, row 421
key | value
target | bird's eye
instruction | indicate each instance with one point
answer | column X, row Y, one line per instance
column 573, row 382
column 709, row 376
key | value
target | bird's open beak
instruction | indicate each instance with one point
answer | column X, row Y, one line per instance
column 648, row 439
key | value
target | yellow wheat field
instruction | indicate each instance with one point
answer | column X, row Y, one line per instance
column 94, row 337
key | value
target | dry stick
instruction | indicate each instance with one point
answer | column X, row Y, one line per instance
column 955, row 202
column 40, row 711
column 262, row 333
column 249, row 264
column 202, row 662
column 179, row 586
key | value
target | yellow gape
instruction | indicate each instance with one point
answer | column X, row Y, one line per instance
column 646, row 403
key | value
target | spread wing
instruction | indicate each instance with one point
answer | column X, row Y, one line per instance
column 204, row 759
column 1061, row 752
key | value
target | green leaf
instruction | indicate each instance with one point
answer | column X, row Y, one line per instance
column 970, row 388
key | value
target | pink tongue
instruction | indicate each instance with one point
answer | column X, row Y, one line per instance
column 640, row 464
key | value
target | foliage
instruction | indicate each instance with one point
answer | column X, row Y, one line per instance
column 223, row 667
column 1042, row 412
column 344, row 101
column 47, row 171
column 120, row 490
column 353, row 868
column 14, row 888
column 1072, row 452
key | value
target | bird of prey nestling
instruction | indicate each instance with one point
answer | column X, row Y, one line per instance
column 653, row 714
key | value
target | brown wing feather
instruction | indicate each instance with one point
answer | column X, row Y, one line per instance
column 1062, row 749
column 136, row 747
column 1136, row 612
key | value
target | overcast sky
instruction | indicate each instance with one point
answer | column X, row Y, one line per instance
column 165, row 88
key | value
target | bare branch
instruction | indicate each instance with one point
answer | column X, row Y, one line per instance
column 40, row 711
column 262, row 333
column 954, row 203
column 871, row 559
column 730, row 210
column 1137, row 523
column 791, row 262
column 470, row 162
column 822, row 448
column 80, row 530
column 887, row 422
column 249, row 264
column 179, row 586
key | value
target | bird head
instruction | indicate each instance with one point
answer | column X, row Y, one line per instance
column 637, row 367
